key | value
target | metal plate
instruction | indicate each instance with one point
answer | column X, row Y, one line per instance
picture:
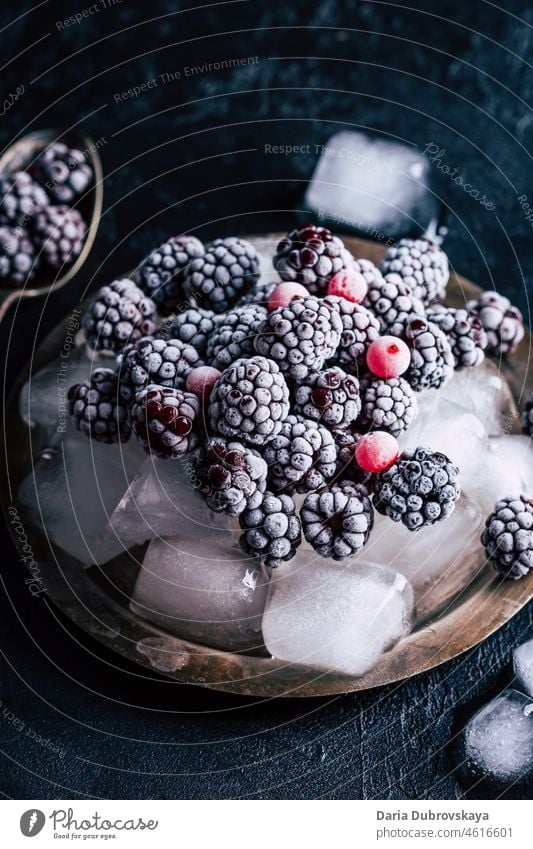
column 472, row 604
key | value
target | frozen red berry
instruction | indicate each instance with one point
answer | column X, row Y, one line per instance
column 201, row 381
column 349, row 284
column 388, row 357
column 285, row 293
column 376, row 451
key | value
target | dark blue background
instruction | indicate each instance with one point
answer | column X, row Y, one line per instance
column 451, row 73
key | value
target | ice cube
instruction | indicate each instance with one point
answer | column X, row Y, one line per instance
column 161, row 502
column 523, row 667
column 373, row 185
column 506, row 468
column 339, row 617
column 72, row 490
column 438, row 561
column 200, row 586
column 498, row 740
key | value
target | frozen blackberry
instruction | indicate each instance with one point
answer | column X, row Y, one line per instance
column 120, row 313
column 166, row 362
column 432, row 361
column 337, row 521
column 194, row 326
column 526, row 419
column 330, row 397
column 259, row 294
column 251, row 400
column 20, row 198
column 359, row 328
column 228, row 475
column 18, row 263
column 422, row 265
column 63, row 171
column 502, row 322
column 96, row 408
column 465, row 334
column 302, row 457
column 419, row 489
column 228, row 270
column 301, row 336
column 388, row 404
column 234, row 334
column 59, row 233
column 165, row 421
column 508, row 537
column 370, row 272
column 311, row 256
column 272, row 530
column 162, row 273
column 392, row 301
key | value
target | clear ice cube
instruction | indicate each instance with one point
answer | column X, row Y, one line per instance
column 523, row 667
column 72, row 490
column 336, row 617
column 498, row 740
column 200, row 586
column 505, row 468
column 373, row 185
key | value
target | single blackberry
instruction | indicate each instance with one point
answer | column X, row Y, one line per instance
column 370, row 272
column 225, row 272
column 419, row 489
column 18, row 263
column 162, row 273
column 502, row 322
column 165, row 421
column 432, row 361
column 392, row 301
column 311, row 255
column 63, row 171
column 160, row 361
column 526, row 419
column 120, row 313
column 194, row 327
column 59, row 233
column 302, row 457
column 330, row 397
column 359, row 328
column 20, row 198
column 251, row 400
column 272, row 530
column 508, row 537
column 228, row 475
column 388, row 404
column 301, row 336
column 259, row 294
column 234, row 334
column 422, row 265
column 337, row 521
column 96, row 408
column 465, row 334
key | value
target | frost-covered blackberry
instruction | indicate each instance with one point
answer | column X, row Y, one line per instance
column 63, row 171
column 59, row 233
column 508, row 537
column 392, row 301
column 311, row 255
column 330, row 397
column 302, row 457
column 165, row 421
column 96, row 408
column 234, row 334
column 162, row 273
column 194, row 326
column 465, row 333
column 387, row 404
column 18, row 263
column 227, row 270
column 120, row 313
column 422, row 265
column 228, row 475
column 419, row 489
column 359, row 328
column 301, row 336
column 432, row 361
column 161, row 361
column 20, row 198
column 250, row 401
column 337, row 521
column 502, row 322
column 272, row 530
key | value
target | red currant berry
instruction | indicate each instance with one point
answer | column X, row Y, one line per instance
column 201, row 381
column 285, row 293
column 376, row 451
column 388, row 356
column 348, row 284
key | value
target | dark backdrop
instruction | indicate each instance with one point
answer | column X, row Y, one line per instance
column 189, row 153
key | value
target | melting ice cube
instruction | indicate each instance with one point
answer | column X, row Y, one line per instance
column 523, row 667
column 505, row 468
